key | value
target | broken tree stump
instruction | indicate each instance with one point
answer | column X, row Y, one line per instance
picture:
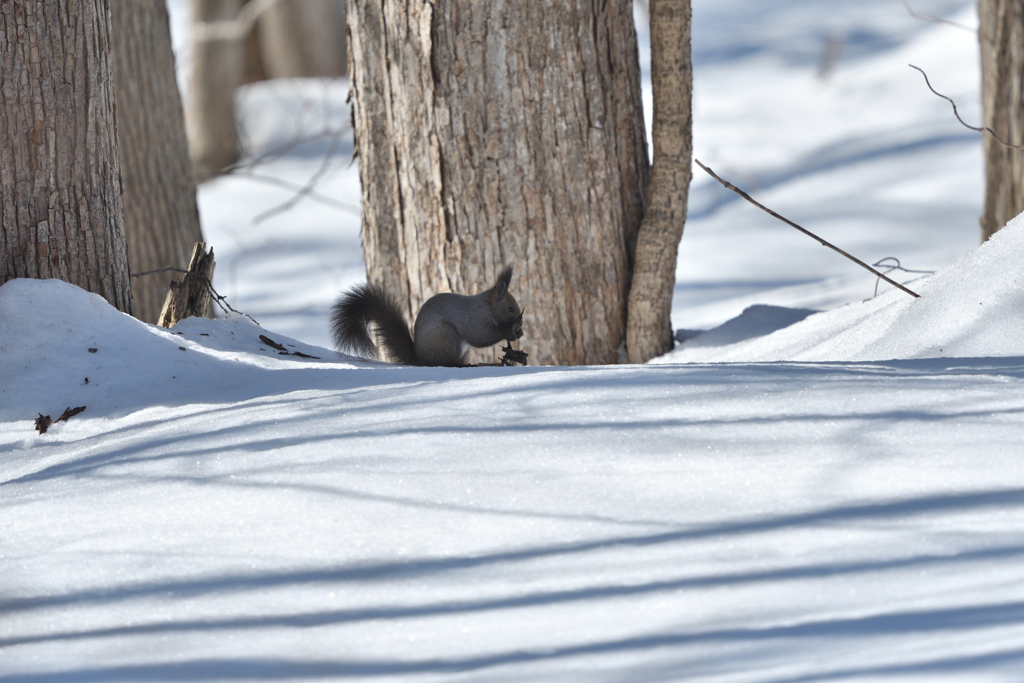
column 190, row 295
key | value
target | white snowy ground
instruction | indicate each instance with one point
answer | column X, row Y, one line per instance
column 840, row 500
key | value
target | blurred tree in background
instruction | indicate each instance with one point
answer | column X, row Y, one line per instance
column 161, row 220
column 237, row 41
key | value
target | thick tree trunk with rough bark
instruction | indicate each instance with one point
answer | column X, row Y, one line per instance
column 218, row 68
column 493, row 133
column 161, row 220
column 60, row 209
column 1001, row 35
column 303, row 38
column 654, row 276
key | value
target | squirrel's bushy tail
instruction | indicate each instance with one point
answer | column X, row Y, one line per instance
column 365, row 304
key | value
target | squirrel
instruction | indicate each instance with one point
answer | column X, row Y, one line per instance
column 447, row 324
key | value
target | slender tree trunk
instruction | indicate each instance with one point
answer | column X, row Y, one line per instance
column 503, row 132
column 303, row 38
column 218, row 68
column 654, row 276
column 161, row 220
column 255, row 69
column 61, row 206
column 1001, row 35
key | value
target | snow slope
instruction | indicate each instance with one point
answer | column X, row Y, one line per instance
column 226, row 513
column 867, row 157
column 973, row 308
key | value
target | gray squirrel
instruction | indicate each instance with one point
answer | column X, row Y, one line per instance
column 447, row 324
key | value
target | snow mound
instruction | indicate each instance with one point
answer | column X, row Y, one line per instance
column 61, row 346
column 755, row 321
column 972, row 308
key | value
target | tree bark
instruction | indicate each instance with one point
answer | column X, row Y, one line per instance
column 303, row 38
column 218, row 69
column 650, row 295
column 61, row 205
column 493, row 133
column 1001, row 35
column 161, row 220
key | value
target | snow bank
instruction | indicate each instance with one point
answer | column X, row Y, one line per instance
column 62, row 346
column 699, row 523
column 972, row 308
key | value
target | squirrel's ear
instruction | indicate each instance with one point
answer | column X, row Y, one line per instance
column 504, row 281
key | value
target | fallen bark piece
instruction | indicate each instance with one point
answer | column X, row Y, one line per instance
column 270, row 342
column 43, row 422
column 69, row 412
column 282, row 351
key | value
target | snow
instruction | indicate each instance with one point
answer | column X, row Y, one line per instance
column 969, row 309
column 790, row 496
column 226, row 513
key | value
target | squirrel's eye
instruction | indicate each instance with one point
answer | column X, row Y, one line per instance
column 511, row 309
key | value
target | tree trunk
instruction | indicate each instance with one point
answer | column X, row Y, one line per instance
column 161, row 220
column 1001, row 35
column 218, row 68
column 303, row 38
column 493, row 133
column 654, row 275
column 255, row 69
column 61, row 205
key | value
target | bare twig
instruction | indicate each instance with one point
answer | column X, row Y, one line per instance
column 982, row 129
column 881, row 263
column 300, row 138
column 225, row 306
column 803, row 230
column 310, row 194
column 253, row 161
column 305, row 190
column 161, row 270
column 43, row 422
column 217, row 298
column 936, row 20
column 282, row 351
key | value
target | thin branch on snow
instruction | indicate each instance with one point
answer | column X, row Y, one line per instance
column 982, row 129
column 936, row 20
column 804, row 230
